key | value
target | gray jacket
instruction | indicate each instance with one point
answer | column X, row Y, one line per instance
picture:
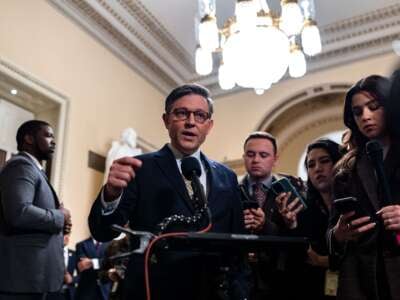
column 31, row 241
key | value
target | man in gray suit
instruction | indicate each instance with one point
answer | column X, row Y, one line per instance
column 32, row 220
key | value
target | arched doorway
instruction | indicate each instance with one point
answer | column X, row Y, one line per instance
column 301, row 119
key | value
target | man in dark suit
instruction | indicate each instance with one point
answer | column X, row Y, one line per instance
column 31, row 219
column 268, row 266
column 149, row 188
column 90, row 254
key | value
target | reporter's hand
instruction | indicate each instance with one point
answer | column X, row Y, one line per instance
column 67, row 219
column 391, row 217
column 84, row 264
column 288, row 211
column 315, row 259
column 122, row 171
column 67, row 278
column 254, row 219
column 113, row 275
column 349, row 229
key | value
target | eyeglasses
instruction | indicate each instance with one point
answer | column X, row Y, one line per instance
column 372, row 106
column 182, row 114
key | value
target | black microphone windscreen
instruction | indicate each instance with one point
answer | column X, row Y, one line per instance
column 374, row 150
column 190, row 165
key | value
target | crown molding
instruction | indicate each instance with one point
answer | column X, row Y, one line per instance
column 129, row 50
column 132, row 33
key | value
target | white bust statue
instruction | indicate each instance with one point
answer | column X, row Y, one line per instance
column 126, row 146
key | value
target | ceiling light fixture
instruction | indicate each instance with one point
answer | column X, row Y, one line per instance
column 14, row 92
column 257, row 46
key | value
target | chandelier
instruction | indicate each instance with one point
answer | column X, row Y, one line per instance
column 257, row 45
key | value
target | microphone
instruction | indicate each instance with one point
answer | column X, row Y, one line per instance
column 190, row 167
column 375, row 154
column 192, row 171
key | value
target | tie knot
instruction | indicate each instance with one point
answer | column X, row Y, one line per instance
column 259, row 194
column 258, row 185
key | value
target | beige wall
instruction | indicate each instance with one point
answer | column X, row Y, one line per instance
column 105, row 95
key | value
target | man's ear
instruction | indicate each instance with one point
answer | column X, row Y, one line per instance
column 210, row 126
column 28, row 139
column 165, row 119
column 276, row 160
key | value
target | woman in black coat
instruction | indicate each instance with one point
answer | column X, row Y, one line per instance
column 308, row 270
column 365, row 238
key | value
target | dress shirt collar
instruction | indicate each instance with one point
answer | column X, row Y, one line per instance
column 179, row 155
column 267, row 182
column 66, row 256
column 37, row 163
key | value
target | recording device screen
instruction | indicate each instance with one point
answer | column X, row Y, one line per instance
column 347, row 204
column 283, row 185
column 250, row 204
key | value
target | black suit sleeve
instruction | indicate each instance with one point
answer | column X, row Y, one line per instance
column 100, row 225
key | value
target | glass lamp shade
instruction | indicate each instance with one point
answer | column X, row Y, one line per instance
column 297, row 63
column 277, row 54
column 308, row 7
column 311, row 39
column 246, row 14
column 225, row 78
column 253, row 61
column 229, row 55
column 259, row 91
column 208, row 33
column 291, row 18
column 204, row 62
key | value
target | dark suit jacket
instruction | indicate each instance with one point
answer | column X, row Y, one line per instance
column 158, row 191
column 89, row 286
column 363, row 259
column 31, row 242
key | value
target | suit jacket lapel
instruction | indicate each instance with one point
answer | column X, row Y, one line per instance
column 212, row 177
column 43, row 174
column 71, row 262
column 57, row 202
column 90, row 248
column 368, row 179
column 167, row 163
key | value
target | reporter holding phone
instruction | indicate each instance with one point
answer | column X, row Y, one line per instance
column 370, row 262
column 321, row 156
column 260, row 157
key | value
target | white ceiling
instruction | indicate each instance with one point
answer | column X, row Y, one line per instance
column 157, row 37
column 178, row 16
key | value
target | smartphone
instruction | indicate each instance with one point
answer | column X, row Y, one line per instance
column 250, row 204
column 347, row 204
column 247, row 202
column 284, row 185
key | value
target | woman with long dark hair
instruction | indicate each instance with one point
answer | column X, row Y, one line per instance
column 321, row 157
column 365, row 238
column 308, row 273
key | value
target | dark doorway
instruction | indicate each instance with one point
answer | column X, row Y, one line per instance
column 3, row 155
